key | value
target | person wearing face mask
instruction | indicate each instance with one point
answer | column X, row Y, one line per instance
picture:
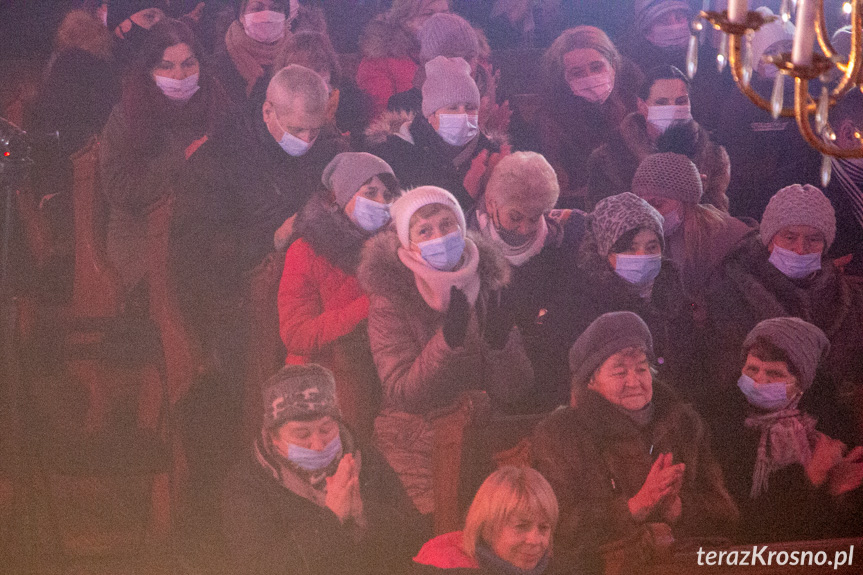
column 659, row 34
column 626, row 457
column 697, row 236
column 130, row 22
column 252, row 43
column 436, row 328
column 767, row 154
column 790, row 479
column 168, row 102
column 516, row 214
column 508, row 530
column 663, row 103
column 443, row 146
column 618, row 266
column 587, row 90
column 309, row 498
column 390, row 49
column 322, row 309
column 788, row 274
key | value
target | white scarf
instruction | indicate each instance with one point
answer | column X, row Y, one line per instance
column 434, row 285
column 515, row 255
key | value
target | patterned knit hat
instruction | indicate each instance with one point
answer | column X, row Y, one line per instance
column 447, row 35
column 448, row 82
column 299, row 391
column 647, row 11
column 798, row 205
column 804, row 343
column 120, row 10
column 348, row 171
column 668, row 175
column 607, row 335
column 615, row 215
column 404, row 207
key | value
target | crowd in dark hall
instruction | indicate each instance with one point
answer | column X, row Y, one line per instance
column 504, row 287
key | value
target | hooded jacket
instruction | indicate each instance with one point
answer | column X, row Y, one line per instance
column 612, row 166
column 596, row 458
column 417, row 368
column 389, row 61
column 420, row 157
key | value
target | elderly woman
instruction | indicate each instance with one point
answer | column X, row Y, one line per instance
column 508, row 528
column 168, row 102
column 787, row 274
column 791, row 481
column 308, row 499
column 515, row 214
column 587, row 91
column 627, row 451
column 443, row 146
column 322, row 309
column 436, row 327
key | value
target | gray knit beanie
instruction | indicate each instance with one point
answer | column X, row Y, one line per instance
column 798, row 205
column 615, row 215
column 668, row 175
column 348, row 171
column 448, row 82
column 647, row 11
column 607, row 335
column 299, row 391
column 804, row 343
column 447, row 35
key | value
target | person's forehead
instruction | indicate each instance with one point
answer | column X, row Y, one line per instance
column 802, row 229
column 667, row 86
column 582, row 57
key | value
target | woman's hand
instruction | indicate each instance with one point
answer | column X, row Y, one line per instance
column 481, row 168
column 827, row 454
column 847, row 475
column 282, row 237
column 343, row 489
column 664, row 481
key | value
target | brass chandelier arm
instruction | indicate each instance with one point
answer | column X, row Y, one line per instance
column 803, row 108
column 824, row 40
column 855, row 57
column 736, row 65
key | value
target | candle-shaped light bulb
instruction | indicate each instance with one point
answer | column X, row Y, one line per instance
column 722, row 53
column 826, row 170
column 692, row 57
column 804, row 35
column 777, row 98
column 737, row 10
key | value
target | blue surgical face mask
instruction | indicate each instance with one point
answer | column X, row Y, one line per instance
column 370, row 215
column 178, row 90
column 638, row 270
column 294, row 146
column 793, row 264
column 458, row 129
column 443, row 253
column 767, row 396
column 312, row 460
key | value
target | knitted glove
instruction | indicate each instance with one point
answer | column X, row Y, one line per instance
column 499, row 320
column 456, row 319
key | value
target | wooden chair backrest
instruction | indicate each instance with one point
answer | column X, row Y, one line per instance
column 97, row 290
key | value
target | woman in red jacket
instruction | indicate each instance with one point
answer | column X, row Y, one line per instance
column 322, row 309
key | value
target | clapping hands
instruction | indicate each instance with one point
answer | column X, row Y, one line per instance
column 660, row 491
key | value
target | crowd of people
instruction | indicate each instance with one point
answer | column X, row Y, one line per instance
column 655, row 274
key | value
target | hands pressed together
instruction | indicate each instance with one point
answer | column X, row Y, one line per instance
column 660, row 492
column 343, row 491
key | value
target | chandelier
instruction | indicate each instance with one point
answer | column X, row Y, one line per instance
column 803, row 64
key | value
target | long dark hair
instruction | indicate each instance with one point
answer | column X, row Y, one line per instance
column 149, row 113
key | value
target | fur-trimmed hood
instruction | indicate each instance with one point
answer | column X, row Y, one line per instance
column 382, row 273
column 329, row 232
column 383, row 38
column 402, row 124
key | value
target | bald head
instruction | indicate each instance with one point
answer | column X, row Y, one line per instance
column 296, row 103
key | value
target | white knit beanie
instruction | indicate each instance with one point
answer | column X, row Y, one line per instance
column 405, row 207
column 448, row 82
column 798, row 205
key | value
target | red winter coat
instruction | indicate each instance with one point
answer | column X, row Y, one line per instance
column 447, row 552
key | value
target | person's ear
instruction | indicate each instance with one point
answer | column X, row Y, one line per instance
column 641, row 106
column 267, row 111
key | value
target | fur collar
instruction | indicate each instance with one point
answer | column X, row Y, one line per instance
column 383, row 38
column 330, row 233
column 382, row 273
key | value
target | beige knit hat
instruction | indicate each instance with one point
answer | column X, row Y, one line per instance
column 668, row 175
column 804, row 343
column 405, row 207
column 448, row 82
column 798, row 205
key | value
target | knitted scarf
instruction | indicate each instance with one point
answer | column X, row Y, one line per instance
column 787, row 437
column 434, row 285
column 489, row 561
column 250, row 56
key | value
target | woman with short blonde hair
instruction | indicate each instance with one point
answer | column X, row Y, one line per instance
column 509, row 525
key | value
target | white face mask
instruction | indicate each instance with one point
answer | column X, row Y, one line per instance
column 292, row 145
column 178, row 90
column 792, row 264
column 458, row 129
column 638, row 270
column 669, row 35
column 265, row 26
column 766, row 396
column 595, row 89
column 662, row 117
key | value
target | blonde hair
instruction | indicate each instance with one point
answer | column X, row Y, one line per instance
column 83, row 31
column 404, row 10
column 524, row 178
column 506, row 491
column 700, row 223
column 580, row 37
